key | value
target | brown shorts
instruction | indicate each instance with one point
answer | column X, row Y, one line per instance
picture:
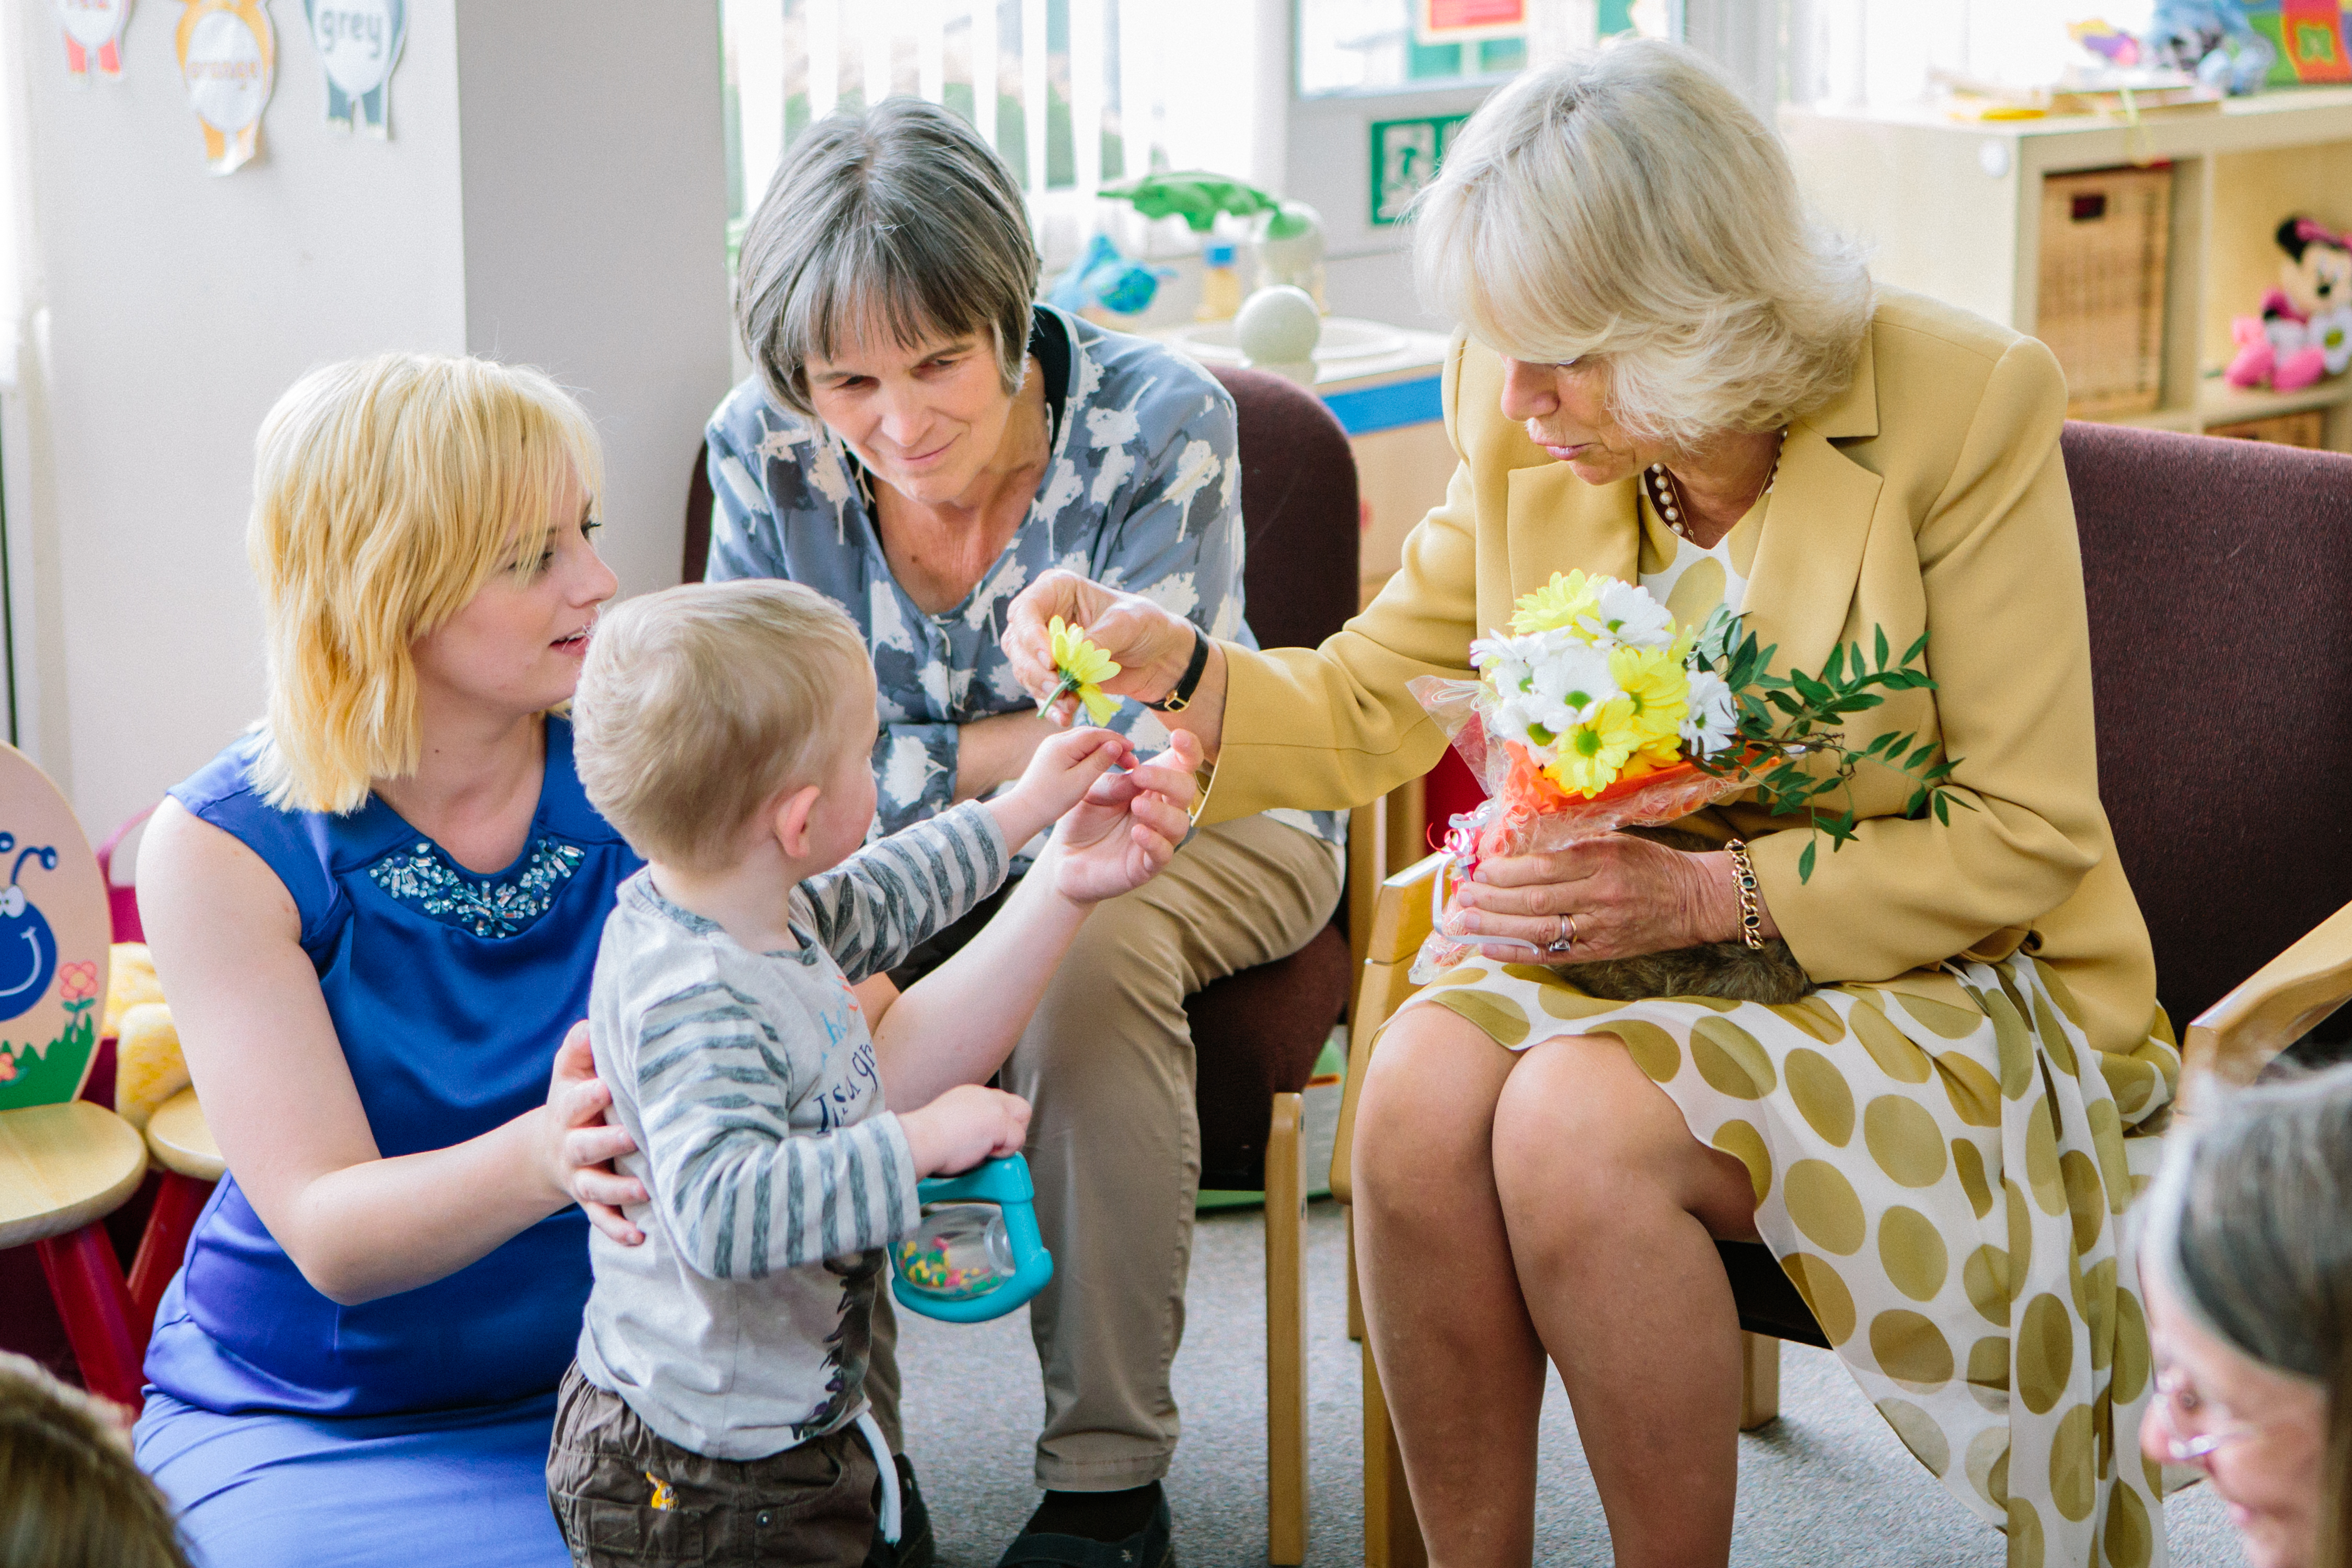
column 623, row 1495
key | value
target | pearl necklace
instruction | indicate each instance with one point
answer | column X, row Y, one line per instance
column 1667, row 492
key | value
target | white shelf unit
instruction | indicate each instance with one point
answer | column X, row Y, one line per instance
column 1954, row 209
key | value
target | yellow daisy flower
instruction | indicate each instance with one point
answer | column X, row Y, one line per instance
column 1084, row 667
column 1557, row 605
column 1592, row 754
column 1656, row 684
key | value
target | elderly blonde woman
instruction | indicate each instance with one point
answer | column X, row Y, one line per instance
column 376, row 914
column 2249, row 1269
column 920, row 441
column 1668, row 374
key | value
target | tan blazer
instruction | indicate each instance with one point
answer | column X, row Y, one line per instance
column 1929, row 496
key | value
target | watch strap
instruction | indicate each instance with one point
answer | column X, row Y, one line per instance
column 1177, row 700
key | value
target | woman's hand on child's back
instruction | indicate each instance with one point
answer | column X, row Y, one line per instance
column 1127, row 829
column 964, row 1126
column 1060, row 773
column 581, row 1145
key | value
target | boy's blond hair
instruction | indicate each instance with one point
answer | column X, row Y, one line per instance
column 698, row 704
column 386, row 492
column 70, row 1495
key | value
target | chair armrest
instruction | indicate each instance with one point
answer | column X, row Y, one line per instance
column 1400, row 922
column 2274, row 1006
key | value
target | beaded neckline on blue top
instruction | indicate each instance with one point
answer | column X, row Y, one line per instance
column 425, row 879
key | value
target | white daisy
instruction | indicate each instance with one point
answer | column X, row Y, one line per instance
column 1713, row 719
column 1628, row 615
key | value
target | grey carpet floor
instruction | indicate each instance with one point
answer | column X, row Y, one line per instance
column 1827, row 1483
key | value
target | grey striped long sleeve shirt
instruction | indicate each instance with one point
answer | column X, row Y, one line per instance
column 748, row 1080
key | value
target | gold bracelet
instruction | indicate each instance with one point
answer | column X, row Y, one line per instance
column 1752, row 919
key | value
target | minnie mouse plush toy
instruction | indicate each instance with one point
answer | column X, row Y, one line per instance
column 2305, row 329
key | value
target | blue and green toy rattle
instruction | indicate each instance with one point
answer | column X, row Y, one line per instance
column 977, row 1254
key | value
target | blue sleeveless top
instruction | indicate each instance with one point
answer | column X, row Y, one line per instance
column 450, row 992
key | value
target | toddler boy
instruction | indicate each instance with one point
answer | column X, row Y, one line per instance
column 716, row 1408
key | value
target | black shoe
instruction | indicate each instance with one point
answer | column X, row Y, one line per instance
column 916, row 1548
column 1149, row 1547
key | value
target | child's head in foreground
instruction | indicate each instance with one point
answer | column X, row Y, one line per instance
column 703, row 709
column 70, row 1495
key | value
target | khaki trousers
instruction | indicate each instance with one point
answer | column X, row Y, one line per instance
column 1115, row 1142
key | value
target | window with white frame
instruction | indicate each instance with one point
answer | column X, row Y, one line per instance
column 1072, row 94
column 1851, row 54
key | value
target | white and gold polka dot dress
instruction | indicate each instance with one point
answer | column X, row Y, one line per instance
column 1941, row 1164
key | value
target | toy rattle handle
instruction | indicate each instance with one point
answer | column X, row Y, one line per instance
column 1001, row 1181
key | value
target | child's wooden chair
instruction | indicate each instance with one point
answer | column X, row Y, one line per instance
column 65, row 1163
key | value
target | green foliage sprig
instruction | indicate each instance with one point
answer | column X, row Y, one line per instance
column 1784, row 720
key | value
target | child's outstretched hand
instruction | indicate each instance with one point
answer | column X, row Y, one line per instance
column 1060, row 772
column 1129, row 826
column 962, row 1127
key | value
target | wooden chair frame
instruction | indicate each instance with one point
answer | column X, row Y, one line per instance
column 2231, row 1040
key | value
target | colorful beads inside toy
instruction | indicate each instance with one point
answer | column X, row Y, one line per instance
column 959, row 1251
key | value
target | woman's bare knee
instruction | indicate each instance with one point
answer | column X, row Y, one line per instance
column 1426, row 1116
column 1579, row 1128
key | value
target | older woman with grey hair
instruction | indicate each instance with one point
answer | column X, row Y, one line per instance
column 2248, row 1270
column 1668, row 374
column 921, row 442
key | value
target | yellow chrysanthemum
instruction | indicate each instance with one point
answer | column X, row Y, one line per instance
column 1656, row 684
column 1592, row 754
column 1557, row 605
column 1084, row 667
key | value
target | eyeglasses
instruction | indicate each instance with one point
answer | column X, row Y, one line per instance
column 2189, row 1439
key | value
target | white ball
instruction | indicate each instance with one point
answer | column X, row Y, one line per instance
column 1278, row 326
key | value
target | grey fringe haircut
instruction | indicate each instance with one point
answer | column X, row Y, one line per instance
column 896, row 222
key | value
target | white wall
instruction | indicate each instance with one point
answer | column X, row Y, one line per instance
column 554, row 191
column 595, row 224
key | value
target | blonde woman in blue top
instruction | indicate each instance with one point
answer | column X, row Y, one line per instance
column 376, row 914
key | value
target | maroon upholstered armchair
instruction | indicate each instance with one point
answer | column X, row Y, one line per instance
column 2211, row 567
column 1256, row 1034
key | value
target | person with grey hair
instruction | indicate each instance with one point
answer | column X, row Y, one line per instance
column 920, row 441
column 2248, row 1265
column 1667, row 374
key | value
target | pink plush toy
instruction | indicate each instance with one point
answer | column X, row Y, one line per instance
column 2305, row 331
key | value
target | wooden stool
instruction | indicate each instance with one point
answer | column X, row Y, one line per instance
column 63, row 1169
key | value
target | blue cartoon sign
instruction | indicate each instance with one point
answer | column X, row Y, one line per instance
column 28, row 949
column 53, row 925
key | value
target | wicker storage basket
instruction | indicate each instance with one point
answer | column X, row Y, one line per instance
column 2102, row 297
column 2307, row 429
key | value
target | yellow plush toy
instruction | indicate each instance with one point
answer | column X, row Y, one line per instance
column 148, row 1066
column 129, row 980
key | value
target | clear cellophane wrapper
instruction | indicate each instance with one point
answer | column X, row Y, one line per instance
column 1525, row 813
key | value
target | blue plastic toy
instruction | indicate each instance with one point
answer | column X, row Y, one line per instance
column 977, row 1254
column 1103, row 277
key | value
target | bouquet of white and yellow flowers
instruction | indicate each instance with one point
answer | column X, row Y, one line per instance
column 1596, row 711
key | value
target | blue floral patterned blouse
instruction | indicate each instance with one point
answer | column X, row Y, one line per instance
column 1142, row 492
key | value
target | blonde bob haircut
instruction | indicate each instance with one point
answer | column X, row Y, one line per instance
column 1625, row 205
column 386, row 492
column 696, row 705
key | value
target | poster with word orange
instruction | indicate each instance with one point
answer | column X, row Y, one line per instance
column 93, row 37
column 229, row 58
